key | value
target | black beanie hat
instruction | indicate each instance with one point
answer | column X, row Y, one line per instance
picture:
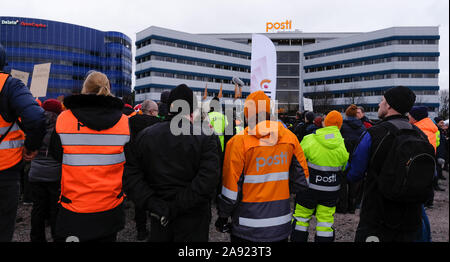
column 419, row 112
column 400, row 98
column 165, row 97
column 182, row 92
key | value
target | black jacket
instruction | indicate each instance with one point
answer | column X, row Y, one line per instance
column 171, row 174
column 140, row 122
column 98, row 113
column 351, row 131
column 377, row 211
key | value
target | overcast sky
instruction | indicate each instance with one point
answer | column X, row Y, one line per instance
column 244, row 16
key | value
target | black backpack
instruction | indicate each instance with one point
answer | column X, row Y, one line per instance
column 407, row 173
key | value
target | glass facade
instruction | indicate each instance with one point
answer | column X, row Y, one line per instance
column 288, row 84
column 72, row 51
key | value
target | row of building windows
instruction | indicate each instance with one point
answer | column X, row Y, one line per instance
column 196, row 93
column 374, row 61
column 374, row 45
column 191, row 62
column 119, row 40
column 367, row 78
column 192, row 47
column 65, row 49
column 117, row 81
column 329, row 95
column 186, row 77
column 89, row 66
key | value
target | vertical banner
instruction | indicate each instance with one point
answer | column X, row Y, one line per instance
column 22, row 76
column 39, row 80
column 263, row 66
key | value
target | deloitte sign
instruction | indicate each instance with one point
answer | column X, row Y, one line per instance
column 10, row 22
column 17, row 22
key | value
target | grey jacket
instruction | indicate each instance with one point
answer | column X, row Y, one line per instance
column 44, row 168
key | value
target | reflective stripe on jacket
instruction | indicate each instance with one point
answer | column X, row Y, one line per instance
column 257, row 173
column 11, row 146
column 92, row 164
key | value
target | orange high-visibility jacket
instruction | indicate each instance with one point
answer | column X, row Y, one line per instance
column 256, row 177
column 430, row 129
column 11, row 147
column 92, row 165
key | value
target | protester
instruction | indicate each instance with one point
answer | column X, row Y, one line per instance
column 45, row 179
column 351, row 131
column 163, row 107
column 137, row 123
column 318, row 122
column 309, row 123
column 382, row 218
column 360, row 114
column 300, row 126
column 16, row 143
column 442, row 149
column 89, row 140
column 259, row 164
column 418, row 116
column 217, row 120
column 326, row 155
column 174, row 176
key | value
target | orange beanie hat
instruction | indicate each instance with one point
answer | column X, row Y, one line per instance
column 253, row 101
column 334, row 118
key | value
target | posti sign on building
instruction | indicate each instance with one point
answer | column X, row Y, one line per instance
column 285, row 25
column 22, row 23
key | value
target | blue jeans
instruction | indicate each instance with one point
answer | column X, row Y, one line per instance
column 424, row 234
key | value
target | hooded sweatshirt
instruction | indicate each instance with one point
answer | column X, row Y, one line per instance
column 324, row 150
column 351, row 130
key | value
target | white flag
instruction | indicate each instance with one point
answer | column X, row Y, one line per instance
column 263, row 66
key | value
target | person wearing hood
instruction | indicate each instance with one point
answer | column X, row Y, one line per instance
column 44, row 178
column 263, row 165
column 326, row 155
column 351, row 130
column 418, row 116
column 89, row 141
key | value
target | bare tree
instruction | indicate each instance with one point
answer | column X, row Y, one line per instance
column 443, row 107
column 356, row 96
column 322, row 99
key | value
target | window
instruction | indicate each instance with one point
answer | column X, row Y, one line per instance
column 288, row 70
column 288, row 57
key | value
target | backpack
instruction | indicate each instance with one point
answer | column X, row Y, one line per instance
column 407, row 173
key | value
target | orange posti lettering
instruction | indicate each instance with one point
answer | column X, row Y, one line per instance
column 279, row 25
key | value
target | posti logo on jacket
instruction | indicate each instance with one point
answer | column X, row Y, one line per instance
column 271, row 160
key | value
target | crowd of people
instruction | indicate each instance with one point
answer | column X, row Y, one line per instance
column 90, row 152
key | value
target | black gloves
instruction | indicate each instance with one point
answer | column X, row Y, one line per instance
column 222, row 225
